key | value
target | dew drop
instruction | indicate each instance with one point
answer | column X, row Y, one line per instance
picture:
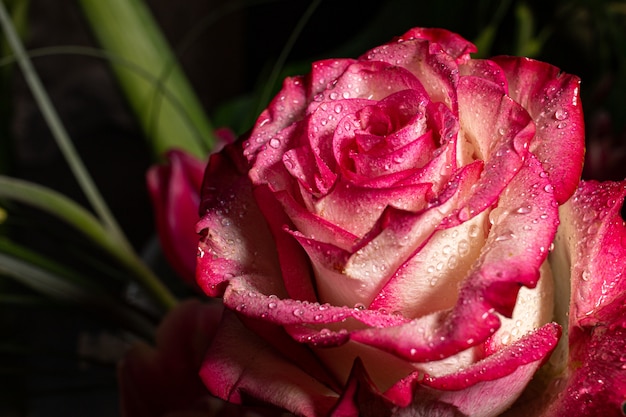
column 586, row 275
column 359, row 306
column 272, row 304
column 275, row 143
column 507, row 235
column 464, row 214
column 463, row 247
column 524, row 210
column 560, row 114
column 474, row 231
column 398, row 159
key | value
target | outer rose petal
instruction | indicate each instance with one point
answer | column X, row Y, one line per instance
column 590, row 250
column 487, row 387
column 239, row 364
column 553, row 101
column 233, row 228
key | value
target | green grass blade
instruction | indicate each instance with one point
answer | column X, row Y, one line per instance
column 78, row 217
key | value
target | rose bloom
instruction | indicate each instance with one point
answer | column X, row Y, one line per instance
column 380, row 240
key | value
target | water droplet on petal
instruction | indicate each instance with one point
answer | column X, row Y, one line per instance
column 560, row 114
column 507, row 235
column 464, row 214
column 275, row 143
column 463, row 247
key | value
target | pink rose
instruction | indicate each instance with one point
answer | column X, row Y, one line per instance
column 380, row 238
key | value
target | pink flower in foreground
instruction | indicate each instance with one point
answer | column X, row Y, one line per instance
column 380, row 239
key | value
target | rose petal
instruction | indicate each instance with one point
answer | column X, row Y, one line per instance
column 596, row 386
column 485, row 68
column 429, row 280
column 360, row 397
column 402, row 233
column 553, row 100
column 590, row 247
column 286, row 108
column 594, row 233
column 240, row 365
column 322, row 76
column 437, row 71
column 311, row 224
column 453, row 44
column 356, row 209
column 487, row 387
column 499, row 136
column 233, row 229
column 371, row 80
column 243, row 297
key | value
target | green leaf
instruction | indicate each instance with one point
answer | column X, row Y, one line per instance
column 126, row 28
